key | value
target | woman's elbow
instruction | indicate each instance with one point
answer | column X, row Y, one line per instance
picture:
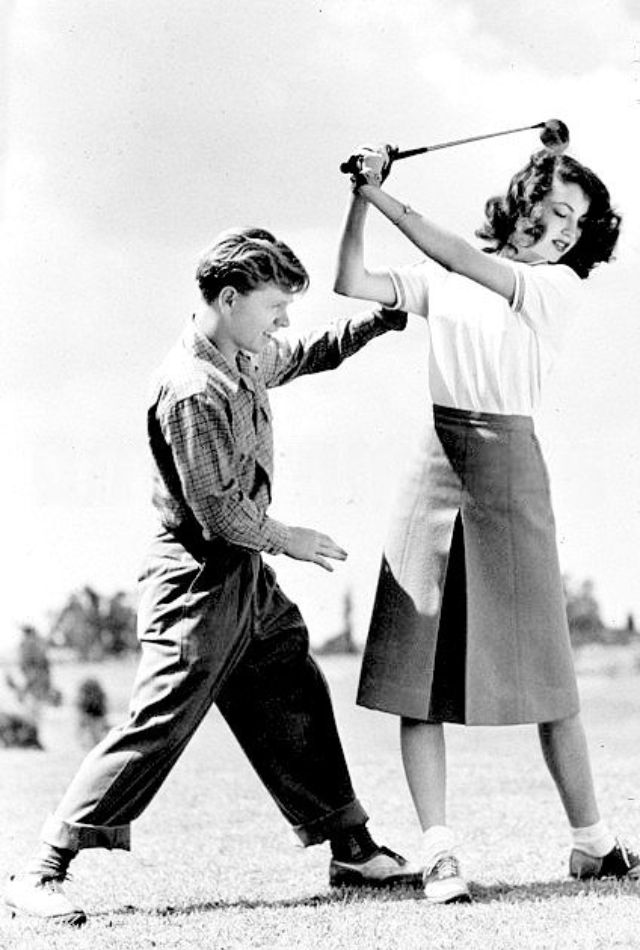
column 344, row 286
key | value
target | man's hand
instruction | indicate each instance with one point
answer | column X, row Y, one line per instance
column 304, row 544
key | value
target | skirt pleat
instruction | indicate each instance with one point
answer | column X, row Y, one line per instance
column 469, row 621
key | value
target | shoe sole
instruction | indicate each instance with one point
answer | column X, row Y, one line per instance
column 348, row 878
column 460, row 898
column 456, row 893
column 628, row 876
column 77, row 919
column 595, row 874
column 584, row 867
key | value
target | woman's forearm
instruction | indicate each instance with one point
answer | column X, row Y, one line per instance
column 442, row 245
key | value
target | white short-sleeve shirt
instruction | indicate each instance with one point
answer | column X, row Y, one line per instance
column 487, row 354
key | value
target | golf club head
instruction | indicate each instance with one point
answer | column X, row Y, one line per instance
column 555, row 136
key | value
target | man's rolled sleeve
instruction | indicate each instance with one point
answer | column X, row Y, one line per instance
column 393, row 319
column 367, row 326
column 328, row 347
column 277, row 536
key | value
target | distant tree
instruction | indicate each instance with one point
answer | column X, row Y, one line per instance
column 583, row 612
column 94, row 626
column 342, row 642
column 77, row 625
column 119, row 627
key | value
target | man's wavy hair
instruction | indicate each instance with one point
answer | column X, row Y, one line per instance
column 527, row 189
column 248, row 258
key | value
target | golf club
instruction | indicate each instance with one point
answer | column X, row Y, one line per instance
column 554, row 136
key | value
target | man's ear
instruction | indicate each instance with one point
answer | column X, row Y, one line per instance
column 227, row 297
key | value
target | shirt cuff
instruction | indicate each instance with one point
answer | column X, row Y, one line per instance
column 399, row 302
column 276, row 536
column 517, row 303
column 393, row 319
column 369, row 324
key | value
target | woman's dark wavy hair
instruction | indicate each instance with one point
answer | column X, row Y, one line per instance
column 247, row 258
column 600, row 226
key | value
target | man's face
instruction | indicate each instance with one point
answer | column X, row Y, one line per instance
column 561, row 212
column 252, row 318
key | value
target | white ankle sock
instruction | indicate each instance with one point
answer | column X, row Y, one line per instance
column 436, row 841
column 595, row 840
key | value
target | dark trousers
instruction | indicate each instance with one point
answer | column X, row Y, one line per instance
column 215, row 630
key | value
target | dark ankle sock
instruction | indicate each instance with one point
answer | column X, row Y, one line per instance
column 50, row 862
column 353, row 844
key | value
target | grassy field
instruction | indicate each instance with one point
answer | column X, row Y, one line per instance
column 214, row 865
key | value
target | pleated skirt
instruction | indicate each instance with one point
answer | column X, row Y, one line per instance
column 469, row 621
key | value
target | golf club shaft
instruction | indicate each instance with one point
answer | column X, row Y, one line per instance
column 350, row 166
column 408, row 153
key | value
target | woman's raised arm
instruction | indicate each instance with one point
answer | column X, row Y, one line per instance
column 352, row 277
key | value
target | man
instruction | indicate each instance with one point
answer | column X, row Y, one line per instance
column 213, row 623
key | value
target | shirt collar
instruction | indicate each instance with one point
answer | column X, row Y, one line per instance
column 241, row 372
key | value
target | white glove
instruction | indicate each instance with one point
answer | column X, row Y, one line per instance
column 371, row 165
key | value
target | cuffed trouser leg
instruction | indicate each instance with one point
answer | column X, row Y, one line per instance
column 246, row 647
column 278, row 706
column 194, row 621
column 118, row 778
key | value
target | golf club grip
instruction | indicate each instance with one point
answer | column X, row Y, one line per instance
column 351, row 167
column 410, row 152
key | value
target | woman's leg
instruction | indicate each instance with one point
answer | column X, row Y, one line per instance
column 424, row 760
column 564, row 747
column 425, row 765
column 596, row 852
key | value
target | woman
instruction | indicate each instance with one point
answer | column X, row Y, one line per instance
column 469, row 623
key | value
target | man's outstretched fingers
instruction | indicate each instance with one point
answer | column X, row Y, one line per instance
column 327, row 565
column 305, row 544
column 329, row 548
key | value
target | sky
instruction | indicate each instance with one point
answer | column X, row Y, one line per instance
column 133, row 132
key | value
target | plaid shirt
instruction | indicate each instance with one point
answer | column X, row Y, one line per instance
column 210, row 428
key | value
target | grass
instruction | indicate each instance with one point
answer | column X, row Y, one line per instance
column 214, row 865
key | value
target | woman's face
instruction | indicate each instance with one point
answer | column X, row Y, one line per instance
column 561, row 213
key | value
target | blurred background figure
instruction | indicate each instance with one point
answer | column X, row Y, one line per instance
column 35, row 669
column 18, row 729
column 31, row 683
column 91, row 710
column 343, row 642
column 24, row 689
